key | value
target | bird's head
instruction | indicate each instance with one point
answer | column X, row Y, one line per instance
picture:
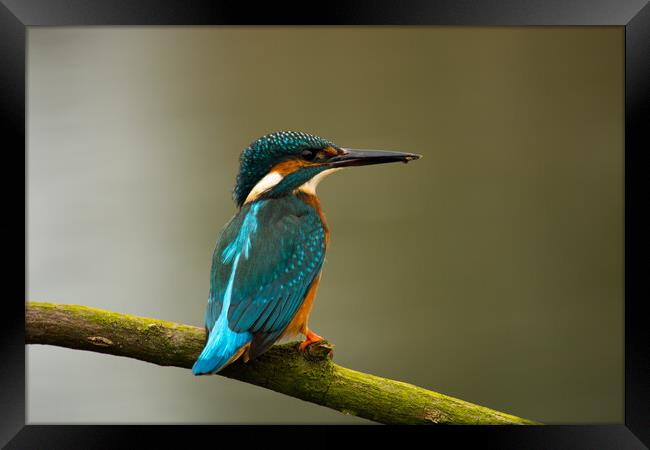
column 282, row 162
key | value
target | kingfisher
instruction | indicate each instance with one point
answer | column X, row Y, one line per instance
column 267, row 262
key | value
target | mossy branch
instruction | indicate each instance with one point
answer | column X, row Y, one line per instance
column 310, row 376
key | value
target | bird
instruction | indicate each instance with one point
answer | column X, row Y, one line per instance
column 268, row 259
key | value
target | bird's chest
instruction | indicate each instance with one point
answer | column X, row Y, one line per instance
column 314, row 202
column 298, row 324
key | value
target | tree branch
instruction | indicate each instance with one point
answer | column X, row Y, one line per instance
column 309, row 376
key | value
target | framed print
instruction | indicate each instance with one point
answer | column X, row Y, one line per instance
column 171, row 153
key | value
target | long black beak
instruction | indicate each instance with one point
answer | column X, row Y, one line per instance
column 354, row 157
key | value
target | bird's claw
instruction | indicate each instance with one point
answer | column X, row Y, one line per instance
column 317, row 349
column 311, row 338
column 303, row 345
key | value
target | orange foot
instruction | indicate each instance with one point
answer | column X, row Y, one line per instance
column 311, row 338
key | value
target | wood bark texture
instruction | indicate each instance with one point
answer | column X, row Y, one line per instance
column 309, row 375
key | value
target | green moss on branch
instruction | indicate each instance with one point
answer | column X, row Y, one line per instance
column 310, row 376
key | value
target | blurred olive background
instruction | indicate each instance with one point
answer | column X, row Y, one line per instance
column 490, row 270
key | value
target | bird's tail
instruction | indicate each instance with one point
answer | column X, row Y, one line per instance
column 223, row 344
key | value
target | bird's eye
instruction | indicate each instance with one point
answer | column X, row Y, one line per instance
column 308, row 155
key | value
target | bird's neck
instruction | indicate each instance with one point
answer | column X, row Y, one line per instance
column 279, row 182
column 300, row 184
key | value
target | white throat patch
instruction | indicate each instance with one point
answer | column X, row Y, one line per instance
column 310, row 186
column 273, row 178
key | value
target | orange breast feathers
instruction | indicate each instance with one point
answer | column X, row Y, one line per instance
column 298, row 324
column 314, row 202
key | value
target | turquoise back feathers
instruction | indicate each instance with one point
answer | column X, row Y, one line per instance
column 263, row 265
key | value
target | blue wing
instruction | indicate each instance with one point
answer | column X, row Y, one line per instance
column 262, row 267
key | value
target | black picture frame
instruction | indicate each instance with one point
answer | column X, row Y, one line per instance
column 16, row 15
